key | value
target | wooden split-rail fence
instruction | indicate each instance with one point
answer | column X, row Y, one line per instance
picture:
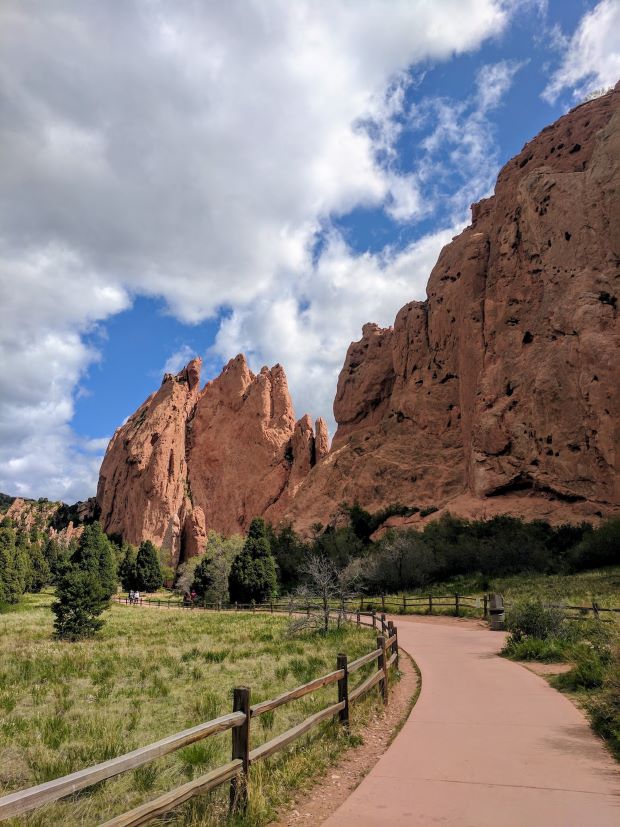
column 235, row 772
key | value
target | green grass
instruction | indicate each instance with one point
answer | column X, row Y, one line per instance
column 151, row 673
column 580, row 589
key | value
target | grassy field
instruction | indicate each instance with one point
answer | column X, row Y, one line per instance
column 150, row 673
column 601, row 585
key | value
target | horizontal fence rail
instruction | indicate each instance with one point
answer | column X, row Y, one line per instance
column 238, row 722
column 366, row 607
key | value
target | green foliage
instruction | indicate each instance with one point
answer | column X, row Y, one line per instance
column 85, row 586
column 253, row 572
column 38, row 572
column 290, row 552
column 127, row 572
column 600, row 547
column 534, row 619
column 605, row 708
column 149, row 576
column 11, row 583
column 587, row 674
column 203, row 577
column 364, row 524
column 531, row 648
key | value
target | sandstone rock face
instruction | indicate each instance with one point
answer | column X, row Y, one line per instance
column 190, row 460
column 55, row 519
column 499, row 393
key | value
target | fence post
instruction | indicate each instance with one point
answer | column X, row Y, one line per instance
column 343, row 689
column 272, row 607
column 383, row 623
column 382, row 602
column 430, row 604
column 382, row 667
column 374, row 619
column 396, row 646
column 485, row 607
column 595, row 610
column 241, row 749
column 404, row 603
column 457, row 607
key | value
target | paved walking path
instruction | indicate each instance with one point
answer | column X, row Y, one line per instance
column 488, row 743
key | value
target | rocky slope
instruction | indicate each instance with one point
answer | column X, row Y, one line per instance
column 55, row 519
column 190, row 460
column 499, row 393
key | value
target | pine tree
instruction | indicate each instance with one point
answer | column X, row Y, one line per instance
column 203, row 577
column 38, row 570
column 127, row 569
column 11, row 586
column 253, row 574
column 149, row 577
column 85, row 586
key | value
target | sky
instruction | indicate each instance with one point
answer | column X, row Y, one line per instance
column 257, row 176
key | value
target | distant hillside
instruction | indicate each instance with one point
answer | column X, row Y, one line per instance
column 6, row 501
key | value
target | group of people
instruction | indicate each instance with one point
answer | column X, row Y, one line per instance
column 134, row 597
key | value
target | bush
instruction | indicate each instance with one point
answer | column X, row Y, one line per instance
column 550, row 650
column 587, row 674
column 605, row 710
column 534, row 619
column 600, row 547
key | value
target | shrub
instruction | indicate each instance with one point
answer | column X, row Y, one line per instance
column 600, row 547
column 11, row 583
column 587, row 674
column 605, row 709
column 534, row 619
column 532, row 648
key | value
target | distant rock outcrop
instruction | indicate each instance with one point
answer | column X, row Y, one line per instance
column 190, row 460
column 55, row 519
column 499, row 393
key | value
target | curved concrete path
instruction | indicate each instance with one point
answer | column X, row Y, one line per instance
column 488, row 743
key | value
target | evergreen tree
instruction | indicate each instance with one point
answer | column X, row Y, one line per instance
column 203, row 577
column 11, row 587
column 149, row 577
column 85, row 586
column 253, row 573
column 38, row 570
column 52, row 554
column 127, row 569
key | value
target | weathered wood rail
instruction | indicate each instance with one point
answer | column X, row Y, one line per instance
column 238, row 722
column 456, row 604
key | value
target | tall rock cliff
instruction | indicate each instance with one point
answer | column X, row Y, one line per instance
column 190, row 460
column 499, row 393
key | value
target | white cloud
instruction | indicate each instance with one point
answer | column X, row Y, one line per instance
column 591, row 58
column 192, row 152
column 179, row 359
column 310, row 325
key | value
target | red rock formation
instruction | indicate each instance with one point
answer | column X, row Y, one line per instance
column 55, row 519
column 191, row 460
column 499, row 393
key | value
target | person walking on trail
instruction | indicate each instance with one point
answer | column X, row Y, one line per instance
column 136, row 597
column 131, row 597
